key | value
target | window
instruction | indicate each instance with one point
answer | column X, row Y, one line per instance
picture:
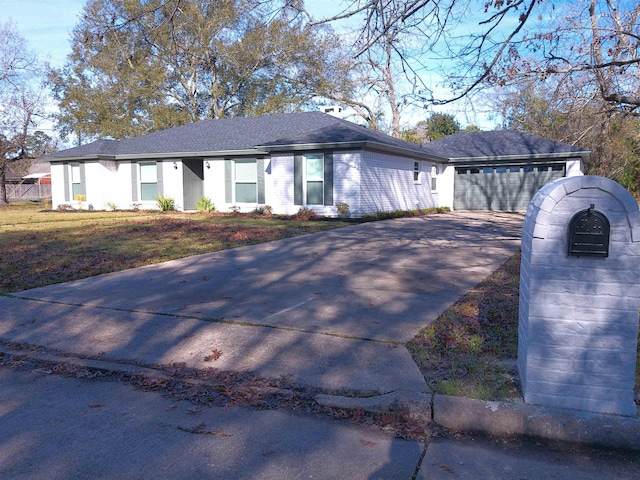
column 76, row 181
column 416, row 172
column 246, row 181
column 148, row 181
column 434, row 178
column 315, row 178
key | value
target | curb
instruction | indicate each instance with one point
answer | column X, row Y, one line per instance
column 416, row 404
column 519, row 419
column 455, row 414
column 502, row 419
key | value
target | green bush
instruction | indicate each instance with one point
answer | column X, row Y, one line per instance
column 205, row 205
column 165, row 204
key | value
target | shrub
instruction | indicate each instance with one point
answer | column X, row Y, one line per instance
column 112, row 206
column 234, row 209
column 343, row 208
column 165, row 204
column 305, row 214
column 263, row 210
column 205, row 205
column 386, row 215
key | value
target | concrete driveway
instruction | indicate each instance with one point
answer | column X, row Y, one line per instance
column 331, row 310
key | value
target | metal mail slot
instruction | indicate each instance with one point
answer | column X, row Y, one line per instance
column 589, row 232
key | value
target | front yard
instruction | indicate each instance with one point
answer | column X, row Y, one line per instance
column 40, row 247
column 470, row 350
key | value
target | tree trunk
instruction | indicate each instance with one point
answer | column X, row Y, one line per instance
column 3, row 183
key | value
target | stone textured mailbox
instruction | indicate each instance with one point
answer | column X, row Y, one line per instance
column 579, row 296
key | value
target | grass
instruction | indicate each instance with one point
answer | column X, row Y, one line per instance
column 471, row 349
column 41, row 247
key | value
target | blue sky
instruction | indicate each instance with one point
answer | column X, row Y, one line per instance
column 45, row 24
column 47, row 27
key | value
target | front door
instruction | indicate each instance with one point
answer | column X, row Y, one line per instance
column 192, row 182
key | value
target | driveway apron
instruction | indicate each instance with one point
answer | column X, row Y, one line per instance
column 332, row 310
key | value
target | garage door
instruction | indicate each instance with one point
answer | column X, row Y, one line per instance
column 505, row 187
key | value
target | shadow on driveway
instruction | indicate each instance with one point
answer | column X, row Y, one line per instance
column 332, row 309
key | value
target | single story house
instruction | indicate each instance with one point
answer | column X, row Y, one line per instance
column 286, row 161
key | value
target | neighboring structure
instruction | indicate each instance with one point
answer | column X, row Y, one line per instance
column 35, row 185
column 287, row 161
column 579, row 296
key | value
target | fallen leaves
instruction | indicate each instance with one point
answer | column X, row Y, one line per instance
column 215, row 355
column 210, row 387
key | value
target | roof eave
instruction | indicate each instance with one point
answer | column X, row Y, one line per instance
column 202, row 154
column 585, row 154
column 159, row 156
column 298, row 147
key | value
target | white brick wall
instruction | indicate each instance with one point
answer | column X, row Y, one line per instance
column 578, row 321
column 110, row 182
column 386, row 184
column 367, row 181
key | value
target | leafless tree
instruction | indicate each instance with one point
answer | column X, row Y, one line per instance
column 475, row 44
column 19, row 102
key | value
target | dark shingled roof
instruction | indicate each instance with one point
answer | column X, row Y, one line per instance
column 498, row 143
column 243, row 134
column 307, row 130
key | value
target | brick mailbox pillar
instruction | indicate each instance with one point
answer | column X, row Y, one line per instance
column 579, row 296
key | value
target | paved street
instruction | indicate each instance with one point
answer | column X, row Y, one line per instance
column 62, row 428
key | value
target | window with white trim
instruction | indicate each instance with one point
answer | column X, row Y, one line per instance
column 76, row 181
column 314, row 178
column 246, row 181
column 148, row 181
column 434, row 178
column 416, row 172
